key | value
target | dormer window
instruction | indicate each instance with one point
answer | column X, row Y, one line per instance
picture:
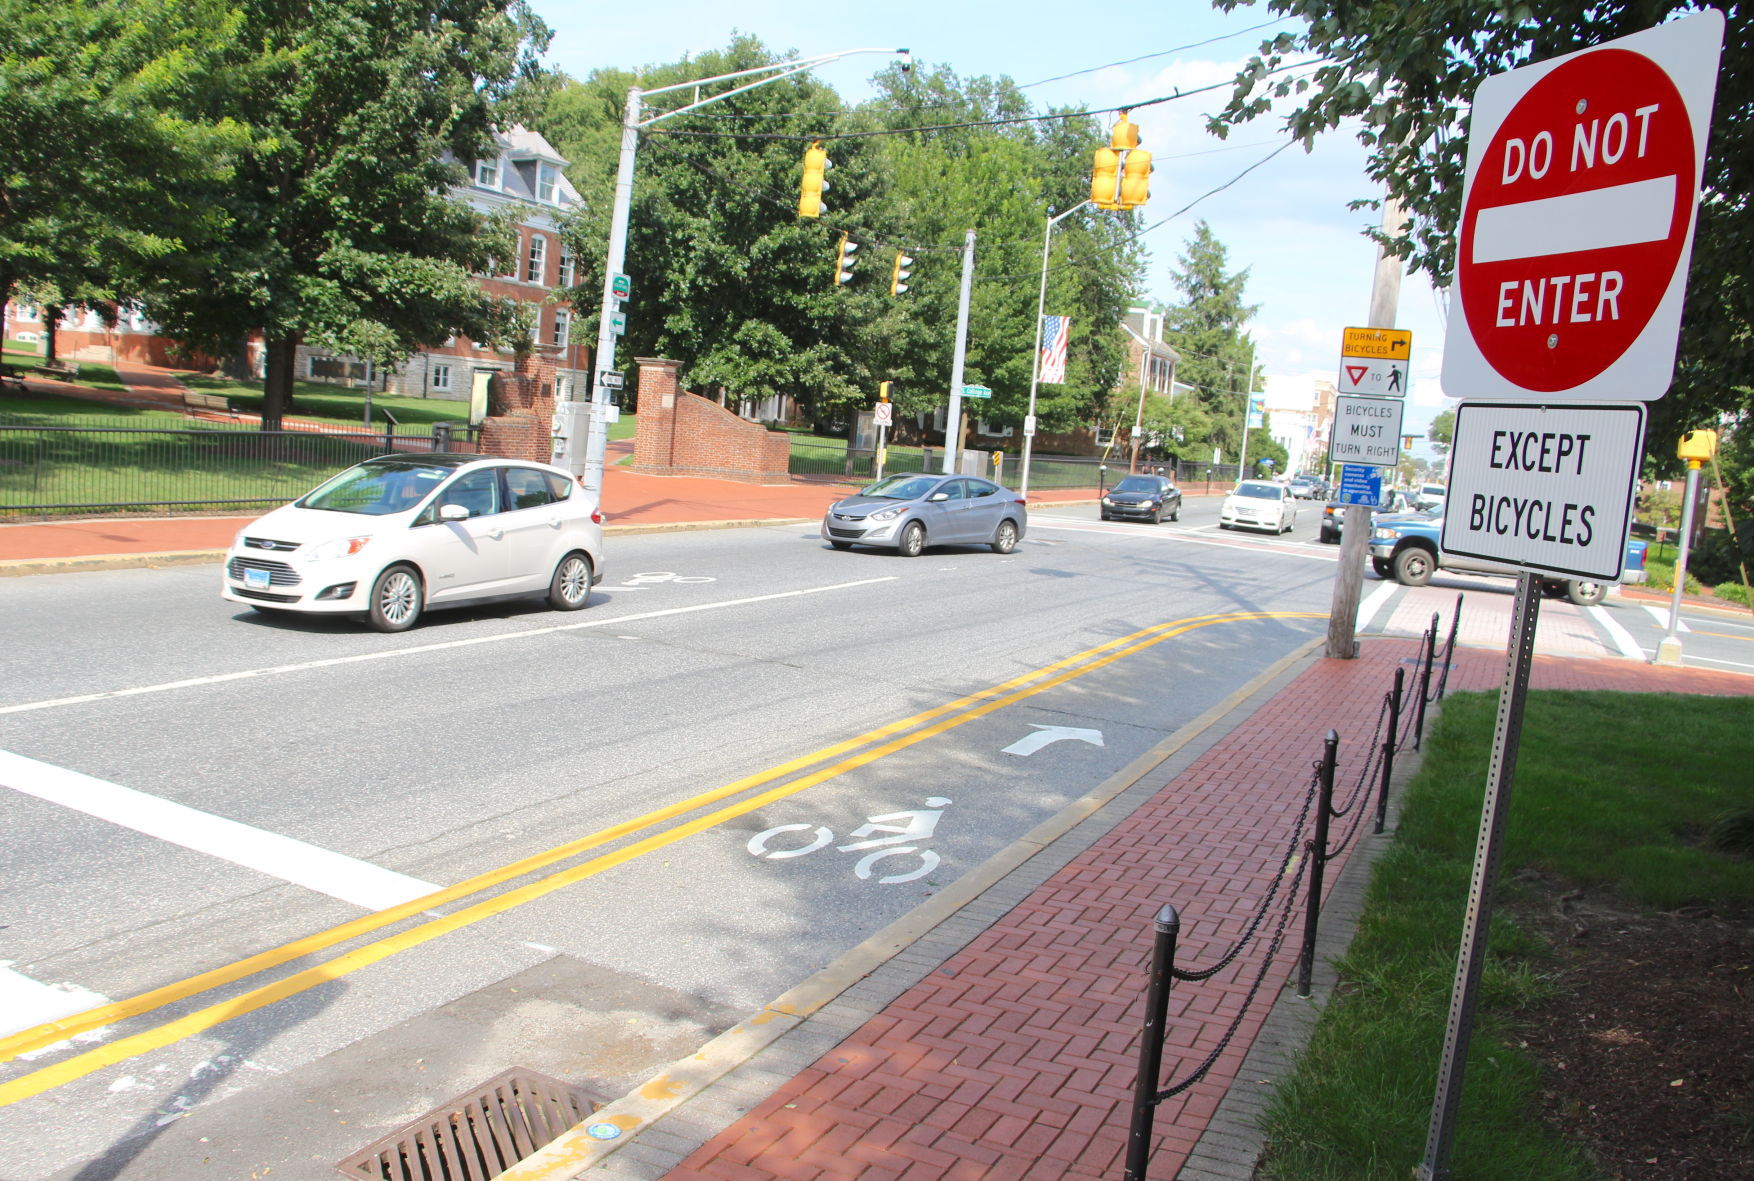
column 487, row 173
column 547, row 180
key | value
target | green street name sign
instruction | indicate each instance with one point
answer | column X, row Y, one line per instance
column 976, row 391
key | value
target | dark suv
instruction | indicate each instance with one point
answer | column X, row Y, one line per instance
column 1143, row 498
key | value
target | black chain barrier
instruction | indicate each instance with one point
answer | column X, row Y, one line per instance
column 1378, row 768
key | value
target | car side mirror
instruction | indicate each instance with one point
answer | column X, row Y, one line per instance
column 937, row 496
column 453, row 512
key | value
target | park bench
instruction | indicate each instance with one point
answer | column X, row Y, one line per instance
column 65, row 370
column 219, row 403
column 11, row 376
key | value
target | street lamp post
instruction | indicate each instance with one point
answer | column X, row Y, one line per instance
column 1041, row 301
column 616, row 257
column 1248, row 403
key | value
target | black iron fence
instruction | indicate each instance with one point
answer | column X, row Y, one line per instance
column 1303, row 857
column 63, row 469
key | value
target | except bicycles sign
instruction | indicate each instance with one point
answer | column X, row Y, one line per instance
column 1577, row 219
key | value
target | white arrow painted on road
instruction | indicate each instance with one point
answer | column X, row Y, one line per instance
column 1030, row 743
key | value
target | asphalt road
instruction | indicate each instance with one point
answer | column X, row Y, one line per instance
column 749, row 754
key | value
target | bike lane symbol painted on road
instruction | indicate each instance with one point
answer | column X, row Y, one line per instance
column 652, row 577
column 884, row 836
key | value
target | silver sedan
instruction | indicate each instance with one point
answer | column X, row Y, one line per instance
column 908, row 512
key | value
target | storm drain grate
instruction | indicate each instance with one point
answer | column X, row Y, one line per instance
column 477, row 1136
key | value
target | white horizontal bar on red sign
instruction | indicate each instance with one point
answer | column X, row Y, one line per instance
column 1619, row 215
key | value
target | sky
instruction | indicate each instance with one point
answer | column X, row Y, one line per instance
column 1309, row 266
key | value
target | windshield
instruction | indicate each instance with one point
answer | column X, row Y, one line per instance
column 1137, row 484
column 376, row 490
column 909, row 487
column 1259, row 491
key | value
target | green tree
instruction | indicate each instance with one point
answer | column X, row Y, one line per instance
column 1405, row 74
column 341, row 228
column 107, row 161
column 1441, row 434
column 1206, row 328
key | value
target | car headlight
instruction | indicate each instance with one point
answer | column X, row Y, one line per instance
column 887, row 514
column 1108, row 500
column 1383, row 534
column 1150, row 504
column 340, row 547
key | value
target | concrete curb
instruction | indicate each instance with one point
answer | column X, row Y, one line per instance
column 796, row 1028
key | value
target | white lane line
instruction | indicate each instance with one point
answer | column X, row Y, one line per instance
column 422, row 649
column 326, row 872
column 1622, row 638
column 1661, row 615
column 1374, row 603
column 1689, row 659
column 26, row 1003
column 1186, row 537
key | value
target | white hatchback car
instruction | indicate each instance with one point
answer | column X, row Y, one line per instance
column 401, row 533
column 1259, row 504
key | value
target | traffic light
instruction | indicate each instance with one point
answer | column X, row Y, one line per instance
column 810, row 194
column 1105, row 179
column 899, row 272
column 1121, row 175
column 1136, row 179
column 883, row 390
column 844, row 260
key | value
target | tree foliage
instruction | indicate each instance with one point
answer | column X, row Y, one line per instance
column 1406, row 73
column 1206, row 327
column 107, row 162
column 340, row 227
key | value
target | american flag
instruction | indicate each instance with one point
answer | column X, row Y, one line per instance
column 1056, row 336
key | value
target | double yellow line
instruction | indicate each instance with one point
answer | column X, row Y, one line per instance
column 830, row 761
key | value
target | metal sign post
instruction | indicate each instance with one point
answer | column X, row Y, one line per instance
column 1478, row 922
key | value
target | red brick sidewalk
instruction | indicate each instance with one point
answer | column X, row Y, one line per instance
column 1016, row 1056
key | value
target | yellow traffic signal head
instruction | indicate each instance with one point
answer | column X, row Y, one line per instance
column 899, row 273
column 883, row 390
column 1105, row 179
column 1136, row 179
column 810, row 194
column 1125, row 134
column 844, row 261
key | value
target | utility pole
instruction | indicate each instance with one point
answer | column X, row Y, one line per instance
column 953, row 417
column 1041, row 305
column 1385, row 297
column 1248, row 401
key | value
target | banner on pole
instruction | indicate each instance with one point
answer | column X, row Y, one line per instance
column 1056, row 338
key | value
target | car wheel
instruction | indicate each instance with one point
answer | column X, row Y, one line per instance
column 1106, row 517
column 1175, row 514
column 570, row 588
column 1329, row 537
column 1005, row 540
column 396, row 599
column 1290, row 522
column 1585, row 594
column 1413, row 566
column 841, row 544
column 1383, row 567
column 913, row 540
column 1553, row 588
column 1157, row 517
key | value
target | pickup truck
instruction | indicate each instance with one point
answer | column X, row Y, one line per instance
column 1406, row 549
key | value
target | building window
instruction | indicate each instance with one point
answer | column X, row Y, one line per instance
column 441, row 377
column 562, row 328
column 533, row 271
column 568, row 267
column 547, row 179
column 992, row 430
column 486, row 173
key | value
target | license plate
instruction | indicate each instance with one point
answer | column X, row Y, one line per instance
column 256, row 579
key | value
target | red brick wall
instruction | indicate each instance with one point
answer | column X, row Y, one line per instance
column 520, row 422
column 683, row 434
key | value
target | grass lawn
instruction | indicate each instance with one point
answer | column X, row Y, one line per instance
column 91, row 373
column 1611, row 795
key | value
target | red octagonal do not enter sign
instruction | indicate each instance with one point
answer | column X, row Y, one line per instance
column 1577, row 219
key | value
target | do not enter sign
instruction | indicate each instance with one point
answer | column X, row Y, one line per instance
column 1577, row 219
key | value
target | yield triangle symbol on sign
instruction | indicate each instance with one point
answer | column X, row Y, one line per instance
column 1357, row 373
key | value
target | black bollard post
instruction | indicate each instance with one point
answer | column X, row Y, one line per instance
column 1151, row 1043
column 1318, row 857
column 1425, row 683
column 1449, row 649
column 1388, row 748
